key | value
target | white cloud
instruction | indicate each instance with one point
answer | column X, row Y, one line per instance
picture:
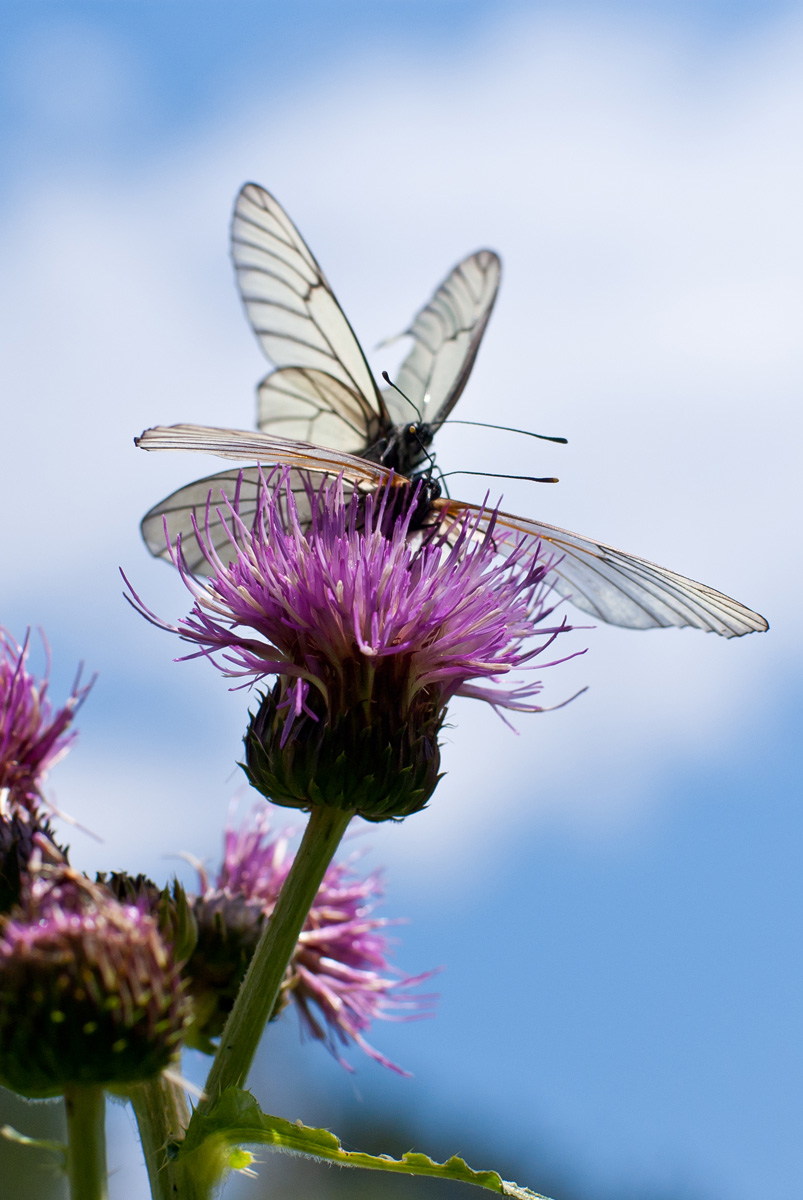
column 646, row 201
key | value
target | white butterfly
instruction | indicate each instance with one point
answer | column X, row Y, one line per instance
column 322, row 390
column 321, row 410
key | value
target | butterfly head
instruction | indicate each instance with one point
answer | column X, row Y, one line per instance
column 405, row 448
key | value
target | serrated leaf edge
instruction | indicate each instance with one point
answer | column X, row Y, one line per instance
column 237, row 1117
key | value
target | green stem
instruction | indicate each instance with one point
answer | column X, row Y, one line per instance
column 257, row 997
column 163, row 1114
column 86, row 1151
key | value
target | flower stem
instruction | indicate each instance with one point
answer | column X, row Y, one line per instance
column 86, row 1152
column 257, row 997
column 162, row 1113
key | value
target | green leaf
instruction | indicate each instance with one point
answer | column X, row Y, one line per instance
column 207, row 1151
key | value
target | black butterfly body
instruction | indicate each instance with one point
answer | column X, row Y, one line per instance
column 321, row 411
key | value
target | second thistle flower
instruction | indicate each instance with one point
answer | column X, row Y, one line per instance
column 32, row 735
column 339, row 978
column 368, row 629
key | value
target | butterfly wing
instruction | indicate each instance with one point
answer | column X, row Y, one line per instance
column 609, row 584
column 301, row 326
column 244, row 445
column 178, row 511
column 202, row 505
column 309, row 406
column 446, row 336
column 189, row 504
column 614, row 586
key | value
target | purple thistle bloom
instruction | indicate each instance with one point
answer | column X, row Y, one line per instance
column 447, row 608
column 32, row 736
column 338, row 976
column 364, row 621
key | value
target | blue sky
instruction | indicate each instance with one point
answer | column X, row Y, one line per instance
column 613, row 891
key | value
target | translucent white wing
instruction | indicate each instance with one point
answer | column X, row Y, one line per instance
column 289, row 302
column 610, row 584
column 620, row 588
column 178, row 510
column 446, row 333
column 190, row 504
column 310, row 406
column 244, row 445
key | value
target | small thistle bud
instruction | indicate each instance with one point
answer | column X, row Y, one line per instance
column 228, row 931
column 361, row 759
column 168, row 906
column 88, row 992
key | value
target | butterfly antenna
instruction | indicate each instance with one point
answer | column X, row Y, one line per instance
column 498, row 475
column 561, row 441
column 390, row 383
column 430, row 457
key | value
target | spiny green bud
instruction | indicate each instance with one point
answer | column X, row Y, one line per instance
column 89, row 993
column 228, row 931
column 361, row 758
column 168, row 905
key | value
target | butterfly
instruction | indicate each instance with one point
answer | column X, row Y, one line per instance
column 322, row 390
column 321, row 411
column 610, row 584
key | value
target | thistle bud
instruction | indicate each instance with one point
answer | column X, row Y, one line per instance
column 88, row 991
column 360, row 758
column 169, row 907
column 228, row 931
column 338, row 979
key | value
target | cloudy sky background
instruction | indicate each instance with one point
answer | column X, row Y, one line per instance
column 614, row 889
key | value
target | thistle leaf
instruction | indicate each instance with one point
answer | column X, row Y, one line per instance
column 236, row 1118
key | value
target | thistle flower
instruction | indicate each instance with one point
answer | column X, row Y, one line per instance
column 338, row 977
column 32, row 736
column 88, row 992
column 369, row 629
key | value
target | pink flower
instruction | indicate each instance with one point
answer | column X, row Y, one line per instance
column 32, row 736
column 339, row 977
